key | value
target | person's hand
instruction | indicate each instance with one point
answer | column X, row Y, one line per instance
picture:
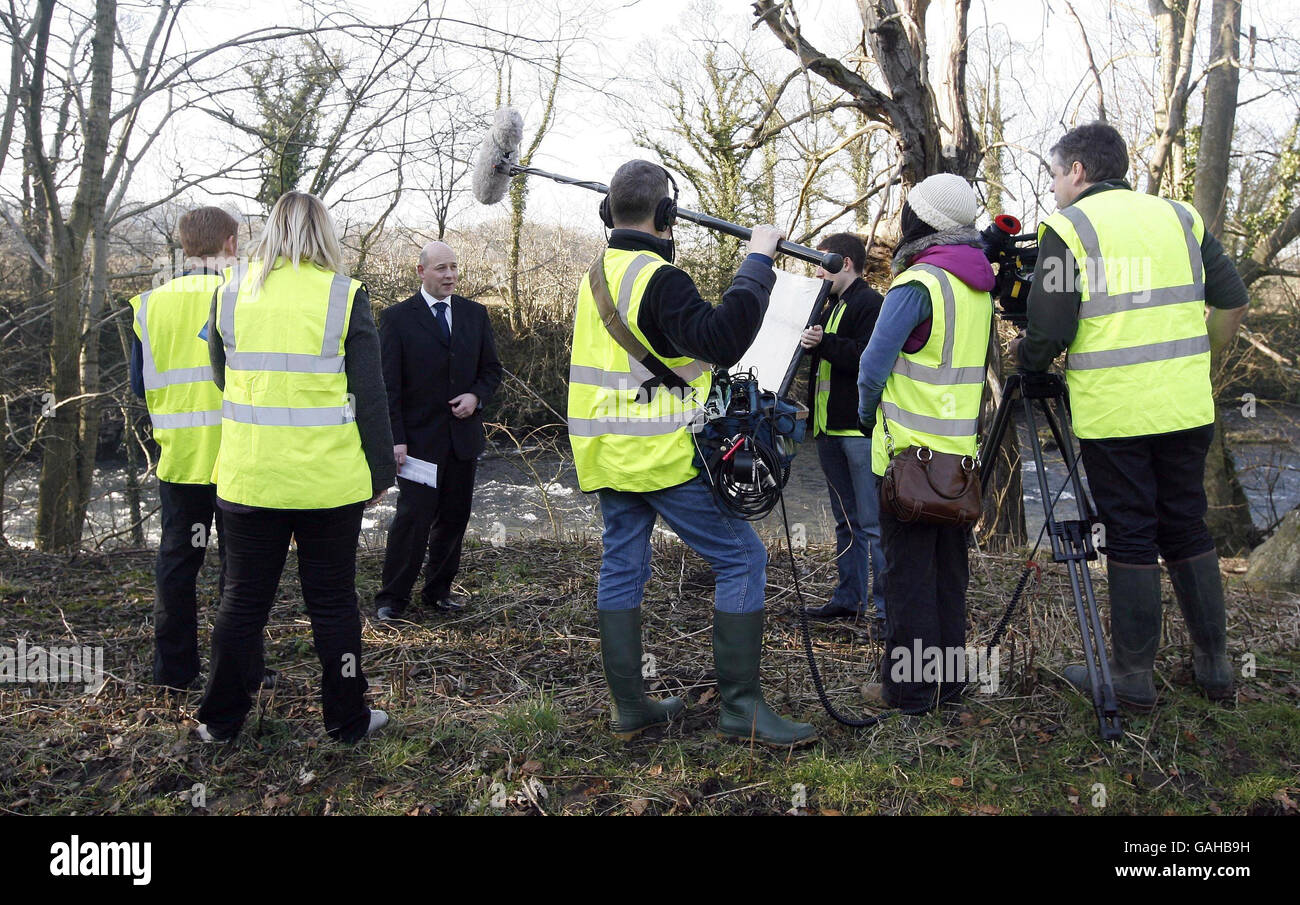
column 374, row 501
column 811, row 338
column 763, row 239
column 464, row 405
column 399, row 455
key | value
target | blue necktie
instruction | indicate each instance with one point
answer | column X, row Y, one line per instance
column 440, row 312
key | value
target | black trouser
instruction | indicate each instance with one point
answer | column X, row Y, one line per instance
column 1150, row 494
column 188, row 511
column 427, row 519
column 256, row 546
column 926, row 570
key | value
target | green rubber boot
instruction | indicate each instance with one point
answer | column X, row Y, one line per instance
column 1199, row 589
column 1134, row 635
column 737, row 645
column 631, row 711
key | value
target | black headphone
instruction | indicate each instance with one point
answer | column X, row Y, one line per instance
column 665, row 210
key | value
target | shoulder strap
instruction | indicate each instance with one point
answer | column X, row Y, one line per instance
column 623, row 335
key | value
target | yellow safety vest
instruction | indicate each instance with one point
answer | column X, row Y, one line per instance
column 822, row 399
column 289, row 438
column 932, row 397
column 617, row 442
column 184, row 404
column 1140, row 361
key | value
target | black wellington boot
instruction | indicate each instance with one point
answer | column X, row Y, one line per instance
column 631, row 710
column 1134, row 634
column 737, row 646
column 1199, row 589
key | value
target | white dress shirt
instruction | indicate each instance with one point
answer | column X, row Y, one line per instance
column 431, row 301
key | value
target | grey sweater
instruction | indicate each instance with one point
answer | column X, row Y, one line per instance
column 365, row 382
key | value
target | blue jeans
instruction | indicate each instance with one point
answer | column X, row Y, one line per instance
column 855, row 503
column 730, row 545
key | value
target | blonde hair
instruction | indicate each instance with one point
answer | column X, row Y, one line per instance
column 298, row 228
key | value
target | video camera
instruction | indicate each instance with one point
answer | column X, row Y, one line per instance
column 1015, row 256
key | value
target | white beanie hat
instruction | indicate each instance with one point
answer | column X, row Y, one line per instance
column 944, row 200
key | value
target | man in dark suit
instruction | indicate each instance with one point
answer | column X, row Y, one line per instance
column 440, row 369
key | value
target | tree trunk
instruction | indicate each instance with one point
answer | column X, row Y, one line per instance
column 61, row 498
column 1176, row 23
column 126, row 403
column 1219, row 115
column 1229, row 513
column 1002, row 526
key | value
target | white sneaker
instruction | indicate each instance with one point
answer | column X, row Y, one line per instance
column 378, row 720
column 210, row 737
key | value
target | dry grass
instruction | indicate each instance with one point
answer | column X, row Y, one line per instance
column 503, row 710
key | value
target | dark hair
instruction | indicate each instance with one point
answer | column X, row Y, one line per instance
column 205, row 230
column 848, row 245
column 636, row 190
column 1098, row 146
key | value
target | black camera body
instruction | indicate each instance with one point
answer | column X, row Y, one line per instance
column 1015, row 256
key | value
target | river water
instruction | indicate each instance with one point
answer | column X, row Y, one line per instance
column 536, row 494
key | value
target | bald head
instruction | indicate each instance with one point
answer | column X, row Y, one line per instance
column 438, row 269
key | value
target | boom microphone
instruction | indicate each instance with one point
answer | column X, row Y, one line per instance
column 498, row 162
column 497, row 156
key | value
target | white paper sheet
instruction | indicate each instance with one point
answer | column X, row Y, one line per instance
column 777, row 343
column 420, row 471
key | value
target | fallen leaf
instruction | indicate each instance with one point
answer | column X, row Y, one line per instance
column 957, row 781
column 708, row 695
column 830, row 812
column 656, row 770
column 531, row 766
column 638, row 806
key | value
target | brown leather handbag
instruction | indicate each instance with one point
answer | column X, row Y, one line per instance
column 936, row 488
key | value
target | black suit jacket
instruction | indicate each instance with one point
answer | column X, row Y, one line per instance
column 422, row 375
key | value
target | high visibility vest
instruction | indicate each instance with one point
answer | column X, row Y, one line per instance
column 617, row 442
column 289, row 437
column 822, row 398
column 932, row 397
column 1140, row 361
column 184, row 404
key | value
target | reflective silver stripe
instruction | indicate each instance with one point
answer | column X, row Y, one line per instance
column 335, row 316
column 147, row 365
column 632, row 427
column 949, row 310
column 1147, row 298
column 1193, row 247
column 1100, row 302
column 622, row 380
column 229, row 293
column 1116, row 358
column 292, row 362
column 942, row 427
column 823, row 386
column 160, row 379
column 185, row 419
column 937, row 376
column 639, row 263
column 1091, row 248
column 153, row 378
column 328, row 362
column 277, row 416
column 945, row 374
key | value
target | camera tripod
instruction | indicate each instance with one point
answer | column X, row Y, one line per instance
column 1071, row 539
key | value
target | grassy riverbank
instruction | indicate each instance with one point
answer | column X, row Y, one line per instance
column 503, row 710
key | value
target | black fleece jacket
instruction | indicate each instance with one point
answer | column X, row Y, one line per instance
column 843, row 349
column 678, row 321
column 1054, row 312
